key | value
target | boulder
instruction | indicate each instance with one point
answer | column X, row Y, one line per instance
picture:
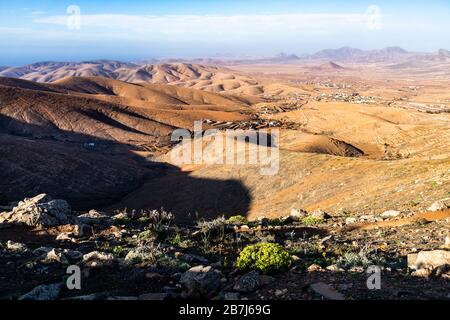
column 439, row 205
column 201, row 282
column 249, row 282
column 39, row 211
column 428, row 259
column 43, row 292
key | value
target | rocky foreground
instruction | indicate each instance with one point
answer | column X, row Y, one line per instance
column 147, row 256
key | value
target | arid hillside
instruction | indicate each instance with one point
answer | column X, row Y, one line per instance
column 207, row 78
column 87, row 139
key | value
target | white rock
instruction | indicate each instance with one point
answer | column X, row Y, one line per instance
column 439, row 205
column 98, row 259
column 350, row 220
column 298, row 213
column 428, row 259
column 390, row 214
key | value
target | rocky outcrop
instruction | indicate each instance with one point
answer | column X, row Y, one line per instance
column 39, row 211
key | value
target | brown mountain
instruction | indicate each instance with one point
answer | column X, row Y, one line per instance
column 207, row 78
column 86, row 139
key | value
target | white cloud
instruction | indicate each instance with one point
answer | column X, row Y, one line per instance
column 38, row 13
column 242, row 25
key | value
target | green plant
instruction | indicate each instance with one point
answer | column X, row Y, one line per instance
column 237, row 220
column 148, row 254
column 118, row 250
column 147, row 236
column 311, row 221
column 159, row 222
column 208, row 229
column 363, row 258
column 176, row 240
column 266, row 257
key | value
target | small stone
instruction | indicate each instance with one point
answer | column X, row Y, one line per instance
column 350, row 220
column 334, row 268
column 66, row 236
column 153, row 296
column 314, row 268
column 265, row 280
column 55, row 255
column 447, row 242
column 249, row 282
column 16, row 247
column 201, row 281
column 93, row 217
column 421, row 273
column 390, row 214
column 98, row 259
column 244, row 227
column 298, row 213
column 232, row 296
column 43, row 292
column 326, row 291
column 320, row 215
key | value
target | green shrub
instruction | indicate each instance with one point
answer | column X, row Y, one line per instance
column 237, row 220
column 265, row 257
column 311, row 221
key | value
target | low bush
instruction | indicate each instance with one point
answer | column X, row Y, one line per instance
column 265, row 257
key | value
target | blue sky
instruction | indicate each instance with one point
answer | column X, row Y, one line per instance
column 33, row 31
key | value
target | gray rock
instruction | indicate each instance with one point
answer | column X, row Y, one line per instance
column 98, row 259
column 202, row 282
column 88, row 297
column 249, row 282
column 232, row 296
column 93, row 217
column 192, row 258
column 39, row 211
column 326, row 291
column 43, row 292
column 390, row 214
column 153, row 296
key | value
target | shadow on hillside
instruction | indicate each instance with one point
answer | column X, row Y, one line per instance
column 90, row 172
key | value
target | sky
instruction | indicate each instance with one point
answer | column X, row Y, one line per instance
column 77, row 30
